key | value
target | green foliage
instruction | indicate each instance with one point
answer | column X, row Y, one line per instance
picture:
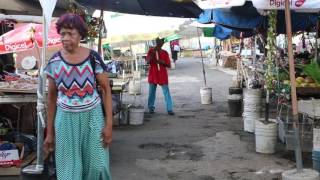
column 313, row 71
column 272, row 50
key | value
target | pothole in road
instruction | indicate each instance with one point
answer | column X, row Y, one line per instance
column 176, row 151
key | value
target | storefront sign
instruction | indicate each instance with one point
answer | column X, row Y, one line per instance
column 280, row 4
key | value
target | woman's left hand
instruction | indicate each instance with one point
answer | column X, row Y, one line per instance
column 106, row 136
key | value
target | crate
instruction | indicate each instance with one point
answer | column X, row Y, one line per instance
column 12, row 167
column 309, row 107
column 286, row 134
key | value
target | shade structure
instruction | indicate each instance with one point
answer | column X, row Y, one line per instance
column 172, row 37
column 298, row 5
column 26, row 37
column 245, row 18
column 165, row 8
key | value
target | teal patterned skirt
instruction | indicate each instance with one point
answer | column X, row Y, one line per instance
column 80, row 154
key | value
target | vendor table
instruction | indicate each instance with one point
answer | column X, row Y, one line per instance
column 15, row 96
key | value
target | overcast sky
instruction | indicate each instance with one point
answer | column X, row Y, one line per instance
column 125, row 24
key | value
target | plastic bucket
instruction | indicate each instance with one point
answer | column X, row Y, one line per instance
column 235, row 90
column 251, row 108
column 135, row 87
column 173, row 65
column 316, row 160
column 136, row 115
column 206, row 95
column 124, row 115
column 266, row 137
column 316, row 139
column 136, row 75
column 235, row 105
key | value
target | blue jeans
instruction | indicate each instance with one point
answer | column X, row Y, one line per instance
column 152, row 96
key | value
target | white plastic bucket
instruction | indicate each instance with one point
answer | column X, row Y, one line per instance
column 266, row 136
column 173, row 65
column 134, row 87
column 249, row 121
column 136, row 75
column 136, row 115
column 251, row 108
column 316, row 139
column 206, row 95
column 306, row 174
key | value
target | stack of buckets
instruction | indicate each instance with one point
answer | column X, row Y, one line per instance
column 251, row 108
column 316, row 149
column 235, row 102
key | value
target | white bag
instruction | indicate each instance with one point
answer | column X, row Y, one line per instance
column 176, row 47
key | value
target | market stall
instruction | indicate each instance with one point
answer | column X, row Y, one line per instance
column 307, row 83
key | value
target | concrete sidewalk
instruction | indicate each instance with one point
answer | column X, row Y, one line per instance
column 200, row 143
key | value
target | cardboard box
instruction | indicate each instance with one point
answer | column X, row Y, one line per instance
column 9, row 158
column 10, row 165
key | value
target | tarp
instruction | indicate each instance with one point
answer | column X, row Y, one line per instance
column 299, row 5
column 224, row 33
column 167, row 8
column 172, row 37
column 246, row 18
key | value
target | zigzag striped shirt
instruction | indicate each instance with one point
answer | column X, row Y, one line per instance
column 75, row 83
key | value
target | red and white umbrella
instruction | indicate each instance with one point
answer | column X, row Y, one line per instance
column 27, row 37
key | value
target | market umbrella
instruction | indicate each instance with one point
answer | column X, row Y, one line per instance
column 168, row 8
column 27, row 37
column 172, row 37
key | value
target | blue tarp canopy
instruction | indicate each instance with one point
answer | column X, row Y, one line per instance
column 246, row 18
column 224, row 33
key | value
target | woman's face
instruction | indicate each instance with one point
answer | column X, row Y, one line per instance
column 70, row 39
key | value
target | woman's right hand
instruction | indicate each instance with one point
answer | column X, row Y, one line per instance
column 49, row 144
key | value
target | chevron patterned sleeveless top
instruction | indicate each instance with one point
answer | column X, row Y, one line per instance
column 75, row 83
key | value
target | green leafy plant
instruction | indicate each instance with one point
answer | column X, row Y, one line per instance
column 313, row 71
column 272, row 50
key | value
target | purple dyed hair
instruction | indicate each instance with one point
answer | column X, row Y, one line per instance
column 72, row 21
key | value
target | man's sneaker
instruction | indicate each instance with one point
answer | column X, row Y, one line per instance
column 151, row 111
column 171, row 113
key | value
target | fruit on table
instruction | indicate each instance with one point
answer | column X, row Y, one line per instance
column 312, row 85
column 300, row 80
column 286, row 82
column 308, row 80
column 304, row 84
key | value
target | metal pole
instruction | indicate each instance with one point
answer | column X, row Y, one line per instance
column 100, row 35
column 317, row 35
column 39, row 167
column 254, row 49
column 293, row 89
column 203, row 69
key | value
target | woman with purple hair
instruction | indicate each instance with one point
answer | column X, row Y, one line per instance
column 77, row 129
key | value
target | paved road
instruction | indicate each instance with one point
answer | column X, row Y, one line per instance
column 199, row 143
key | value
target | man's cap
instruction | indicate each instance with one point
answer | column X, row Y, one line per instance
column 159, row 40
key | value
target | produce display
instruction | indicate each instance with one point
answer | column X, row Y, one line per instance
column 15, row 83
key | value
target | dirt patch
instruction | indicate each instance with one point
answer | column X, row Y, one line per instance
column 176, row 151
